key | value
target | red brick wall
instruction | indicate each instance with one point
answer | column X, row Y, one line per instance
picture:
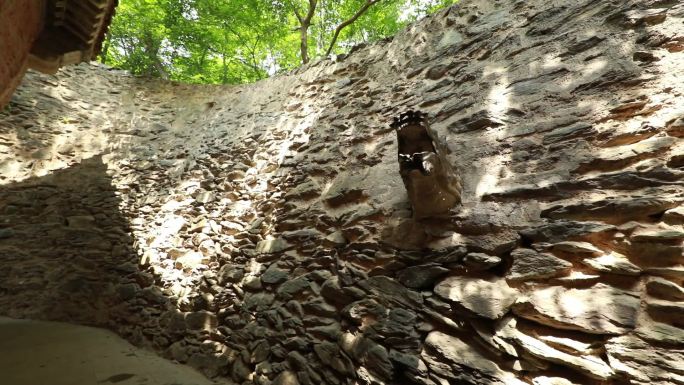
column 20, row 23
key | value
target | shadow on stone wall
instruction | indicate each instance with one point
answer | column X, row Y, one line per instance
column 67, row 253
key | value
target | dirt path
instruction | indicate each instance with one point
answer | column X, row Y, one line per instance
column 42, row 353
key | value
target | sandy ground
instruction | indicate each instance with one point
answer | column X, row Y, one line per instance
column 53, row 353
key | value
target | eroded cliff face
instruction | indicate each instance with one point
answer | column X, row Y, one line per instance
column 263, row 234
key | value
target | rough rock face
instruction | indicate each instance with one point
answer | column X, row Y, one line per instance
column 253, row 232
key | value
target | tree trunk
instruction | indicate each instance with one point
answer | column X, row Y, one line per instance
column 304, row 24
column 224, row 69
column 105, row 51
column 304, row 43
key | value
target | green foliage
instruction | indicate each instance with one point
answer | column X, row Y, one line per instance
column 239, row 41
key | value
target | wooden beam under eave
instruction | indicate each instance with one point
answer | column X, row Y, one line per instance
column 109, row 8
column 83, row 11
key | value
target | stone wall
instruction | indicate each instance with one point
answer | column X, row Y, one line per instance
column 263, row 234
column 20, row 24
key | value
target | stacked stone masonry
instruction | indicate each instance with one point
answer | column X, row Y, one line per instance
column 263, row 235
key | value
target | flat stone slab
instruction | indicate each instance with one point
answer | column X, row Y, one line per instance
column 452, row 358
column 529, row 264
column 634, row 357
column 487, row 298
column 665, row 289
column 590, row 365
column 613, row 263
column 577, row 248
column 657, row 235
column 600, row 309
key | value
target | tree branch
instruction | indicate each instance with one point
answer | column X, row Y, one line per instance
column 296, row 11
column 312, row 9
column 347, row 22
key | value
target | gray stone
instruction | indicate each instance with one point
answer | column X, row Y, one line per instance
column 325, row 332
column 559, row 231
column 230, row 273
column 666, row 311
column 274, row 275
column 589, row 365
column 665, row 289
column 81, row 221
column 128, row 291
column 498, row 243
column 529, row 265
column 6, row 233
column 296, row 360
column 674, row 216
column 600, row 309
column 487, row 298
column 615, row 157
column 333, row 292
column 644, row 363
column 480, row 261
column 495, row 341
column 675, row 273
column 240, row 371
column 437, row 71
column 397, row 329
column 201, row 320
column 294, row 286
column 286, row 378
column 545, row 380
column 376, row 359
column 580, row 129
column 477, row 121
column 368, row 353
column 365, row 310
column 450, row 357
column 577, row 248
column 659, row 332
column 345, row 190
column 613, row 263
column 409, row 362
column 258, row 301
column 657, row 234
column 173, row 322
column 329, row 353
column 275, row 245
column 336, row 238
column 178, row 350
column 319, row 307
column 614, row 210
column 421, row 277
column 392, row 290
column 656, row 253
column 260, row 352
column 306, row 190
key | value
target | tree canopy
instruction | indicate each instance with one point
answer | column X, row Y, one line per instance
column 238, row 41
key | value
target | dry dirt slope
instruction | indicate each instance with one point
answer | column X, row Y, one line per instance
column 251, row 231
